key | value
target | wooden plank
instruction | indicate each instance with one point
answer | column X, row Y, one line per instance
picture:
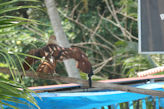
column 124, row 80
column 65, row 86
column 84, row 83
column 82, row 90
column 50, row 87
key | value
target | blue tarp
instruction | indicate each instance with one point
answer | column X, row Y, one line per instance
column 86, row 100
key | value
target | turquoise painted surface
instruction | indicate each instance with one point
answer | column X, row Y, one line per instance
column 88, row 100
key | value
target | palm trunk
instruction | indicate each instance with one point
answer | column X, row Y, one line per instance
column 61, row 37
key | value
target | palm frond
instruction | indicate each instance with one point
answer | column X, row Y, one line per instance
column 11, row 90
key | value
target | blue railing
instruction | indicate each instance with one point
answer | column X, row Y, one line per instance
column 104, row 99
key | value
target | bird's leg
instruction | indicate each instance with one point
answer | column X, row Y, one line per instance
column 90, row 79
column 89, row 82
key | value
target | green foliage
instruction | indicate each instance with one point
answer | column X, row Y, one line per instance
column 87, row 24
column 130, row 7
column 135, row 64
column 10, row 91
column 126, row 47
column 131, row 62
column 109, row 40
column 12, row 38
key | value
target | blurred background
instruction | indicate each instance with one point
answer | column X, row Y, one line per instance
column 106, row 30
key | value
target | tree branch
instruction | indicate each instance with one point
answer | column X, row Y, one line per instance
column 85, row 27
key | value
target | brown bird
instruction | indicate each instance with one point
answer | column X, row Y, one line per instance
column 54, row 53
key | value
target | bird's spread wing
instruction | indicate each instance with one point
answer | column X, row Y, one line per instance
column 53, row 53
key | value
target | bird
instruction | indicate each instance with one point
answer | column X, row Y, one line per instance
column 53, row 53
